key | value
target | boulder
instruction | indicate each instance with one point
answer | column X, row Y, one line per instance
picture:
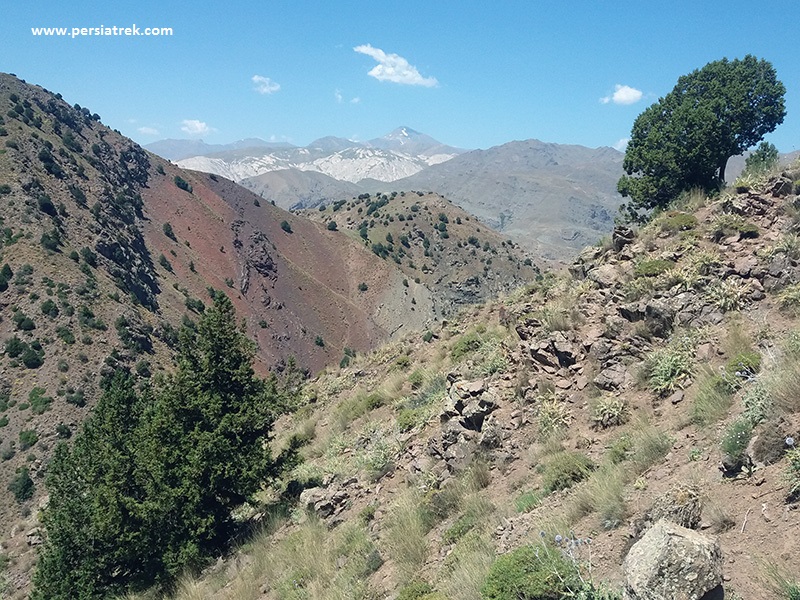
column 622, row 236
column 672, row 562
column 605, row 275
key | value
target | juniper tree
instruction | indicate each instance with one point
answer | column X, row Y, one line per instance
column 686, row 138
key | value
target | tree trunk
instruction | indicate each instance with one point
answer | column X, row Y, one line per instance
column 722, row 165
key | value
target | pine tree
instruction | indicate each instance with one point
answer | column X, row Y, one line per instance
column 147, row 490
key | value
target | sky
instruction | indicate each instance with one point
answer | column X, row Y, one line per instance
column 472, row 74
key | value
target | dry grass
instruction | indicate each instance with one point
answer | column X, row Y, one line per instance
column 466, row 567
column 406, row 542
column 603, row 494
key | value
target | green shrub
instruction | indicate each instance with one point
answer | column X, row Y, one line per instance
column 318, row 341
column 182, row 184
column 669, row 367
column 332, row 226
column 736, row 438
column 528, row 501
column 22, row 485
column 362, row 287
column 793, row 470
column 164, row 262
column 33, row 357
column 27, row 438
column 167, row 228
column 286, row 226
column 564, row 470
column 673, row 221
column 466, row 344
column 38, row 401
column 415, row 590
column 712, row 400
column 652, row 268
column 65, row 334
column 530, row 573
column 15, row 347
column 49, row 308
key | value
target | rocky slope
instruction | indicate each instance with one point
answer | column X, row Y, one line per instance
column 642, row 403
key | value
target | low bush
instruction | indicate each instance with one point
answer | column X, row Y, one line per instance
column 564, row 470
column 22, row 485
column 182, row 184
column 736, row 438
column 531, row 573
column 652, row 268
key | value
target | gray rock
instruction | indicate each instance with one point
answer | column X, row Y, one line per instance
column 605, row 275
column 611, row 378
column 672, row 562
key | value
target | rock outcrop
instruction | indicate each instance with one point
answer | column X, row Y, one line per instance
column 672, row 562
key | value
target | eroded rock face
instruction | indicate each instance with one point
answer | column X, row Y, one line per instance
column 672, row 562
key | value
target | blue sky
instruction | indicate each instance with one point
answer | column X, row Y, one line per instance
column 471, row 74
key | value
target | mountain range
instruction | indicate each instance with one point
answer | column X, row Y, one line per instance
column 552, row 199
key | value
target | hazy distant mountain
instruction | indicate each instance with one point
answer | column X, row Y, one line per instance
column 332, row 143
column 398, row 154
column 179, row 149
column 408, row 141
column 552, row 198
column 292, row 188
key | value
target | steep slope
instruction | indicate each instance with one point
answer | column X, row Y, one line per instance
column 553, row 199
column 106, row 249
column 434, row 243
column 655, row 379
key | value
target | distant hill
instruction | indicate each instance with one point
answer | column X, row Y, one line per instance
column 553, row 199
column 292, row 188
column 434, row 243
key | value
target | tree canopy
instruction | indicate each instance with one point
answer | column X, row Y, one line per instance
column 685, row 139
column 148, row 487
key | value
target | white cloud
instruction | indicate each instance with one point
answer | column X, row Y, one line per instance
column 622, row 144
column 195, row 127
column 338, row 95
column 148, row 131
column 264, row 85
column 355, row 100
column 392, row 67
column 623, row 94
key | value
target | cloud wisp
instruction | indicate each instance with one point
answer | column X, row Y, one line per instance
column 623, row 94
column 622, row 144
column 394, row 68
column 148, row 131
column 195, row 127
column 264, row 85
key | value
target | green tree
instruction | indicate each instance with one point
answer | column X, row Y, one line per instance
column 686, row 138
column 99, row 538
column 761, row 159
column 148, row 489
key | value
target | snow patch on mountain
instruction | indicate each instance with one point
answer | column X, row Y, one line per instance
column 351, row 164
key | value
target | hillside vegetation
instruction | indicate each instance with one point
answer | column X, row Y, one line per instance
column 552, row 427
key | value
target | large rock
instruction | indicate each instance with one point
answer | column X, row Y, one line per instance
column 672, row 562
